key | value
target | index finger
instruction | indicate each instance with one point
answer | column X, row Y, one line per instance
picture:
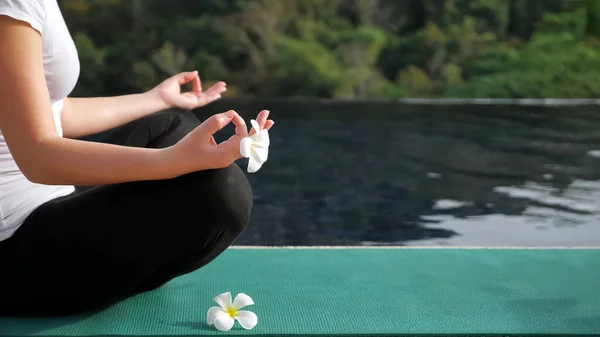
column 240, row 126
column 230, row 148
column 197, row 85
column 185, row 77
column 216, row 122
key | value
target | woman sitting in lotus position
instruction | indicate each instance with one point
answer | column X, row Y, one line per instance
column 165, row 198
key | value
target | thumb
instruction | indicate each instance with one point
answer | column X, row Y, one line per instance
column 216, row 123
column 187, row 102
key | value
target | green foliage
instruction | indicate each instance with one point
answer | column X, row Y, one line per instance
column 452, row 75
column 551, row 65
column 304, row 68
column 416, row 81
column 574, row 23
column 342, row 48
column 92, row 59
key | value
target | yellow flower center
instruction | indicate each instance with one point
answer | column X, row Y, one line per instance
column 232, row 312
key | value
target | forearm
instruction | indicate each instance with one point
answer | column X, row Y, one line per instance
column 61, row 161
column 86, row 116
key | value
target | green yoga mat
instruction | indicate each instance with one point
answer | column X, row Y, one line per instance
column 363, row 291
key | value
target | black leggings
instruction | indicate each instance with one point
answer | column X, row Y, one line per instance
column 93, row 248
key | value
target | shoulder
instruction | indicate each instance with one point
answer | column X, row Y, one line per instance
column 31, row 11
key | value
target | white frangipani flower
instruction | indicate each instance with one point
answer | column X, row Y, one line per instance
column 255, row 147
column 224, row 317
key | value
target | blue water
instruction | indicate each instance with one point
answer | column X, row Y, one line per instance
column 385, row 174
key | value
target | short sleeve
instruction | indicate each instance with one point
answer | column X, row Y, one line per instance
column 30, row 11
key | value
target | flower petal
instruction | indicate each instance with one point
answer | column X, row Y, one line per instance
column 255, row 125
column 245, row 145
column 224, row 322
column 213, row 313
column 259, row 154
column 242, row 300
column 262, row 139
column 247, row 319
column 224, row 300
column 253, row 165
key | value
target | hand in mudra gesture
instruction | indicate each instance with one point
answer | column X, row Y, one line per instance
column 199, row 151
column 170, row 94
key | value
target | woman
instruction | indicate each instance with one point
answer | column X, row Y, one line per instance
column 166, row 199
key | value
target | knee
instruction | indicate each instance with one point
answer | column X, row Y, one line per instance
column 230, row 197
column 234, row 197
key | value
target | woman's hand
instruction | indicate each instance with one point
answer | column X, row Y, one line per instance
column 199, row 150
column 169, row 92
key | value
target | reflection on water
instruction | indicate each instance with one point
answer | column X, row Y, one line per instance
column 391, row 174
column 553, row 218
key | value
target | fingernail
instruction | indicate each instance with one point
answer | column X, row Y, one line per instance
column 230, row 114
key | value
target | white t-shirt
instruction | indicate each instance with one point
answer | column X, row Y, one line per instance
column 18, row 196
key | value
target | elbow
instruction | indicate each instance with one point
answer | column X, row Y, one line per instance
column 36, row 169
column 37, row 174
column 38, row 165
column 39, row 178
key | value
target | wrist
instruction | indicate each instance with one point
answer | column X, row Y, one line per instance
column 156, row 100
column 174, row 161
